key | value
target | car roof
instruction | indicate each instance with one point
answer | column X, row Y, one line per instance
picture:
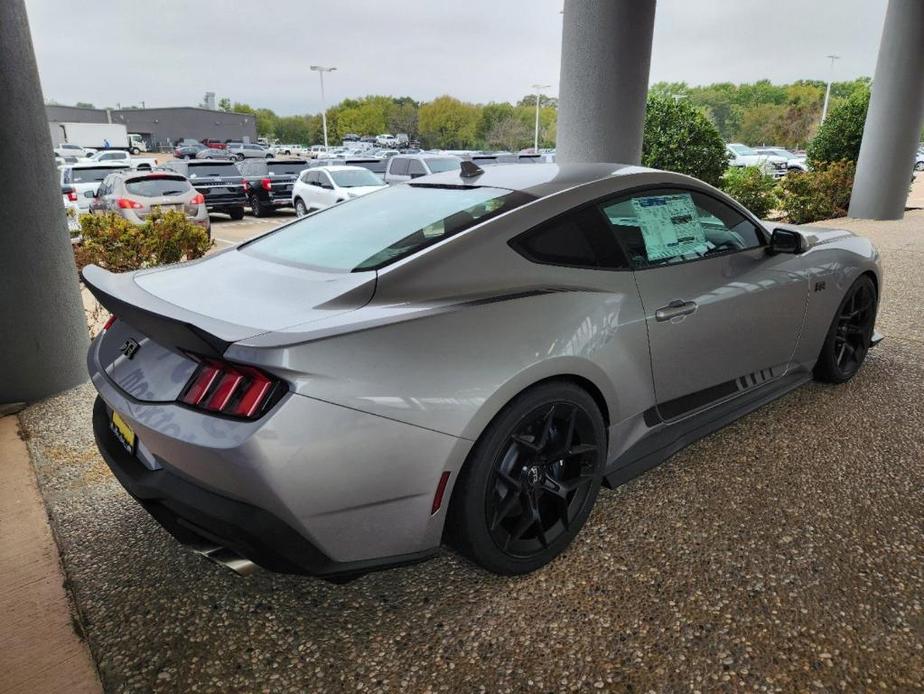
column 536, row 179
column 340, row 167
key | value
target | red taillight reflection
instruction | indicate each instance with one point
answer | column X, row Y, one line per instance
column 230, row 389
column 109, row 322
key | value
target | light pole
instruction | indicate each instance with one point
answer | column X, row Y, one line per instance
column 538, row 88
column 824, row 110
column 321, row 70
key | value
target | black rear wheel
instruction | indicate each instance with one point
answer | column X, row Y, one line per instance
column 850, row 334
column 531, row 480
column 236, row 213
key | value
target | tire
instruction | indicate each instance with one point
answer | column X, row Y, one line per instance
column 300, row 209
column 134, row 150
column 237, row 157
column 257, row 207
column 526, row 490
column 236, row 213
column 848, row 338
column 919, row 166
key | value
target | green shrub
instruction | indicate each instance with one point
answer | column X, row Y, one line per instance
column 679, row 137
column 750, row 186
column 838, row 138
column 822, row 193
column 116, row 244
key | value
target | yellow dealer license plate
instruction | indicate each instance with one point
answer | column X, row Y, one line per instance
column 123, row 432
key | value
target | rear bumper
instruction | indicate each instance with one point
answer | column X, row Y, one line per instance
column 198, row 517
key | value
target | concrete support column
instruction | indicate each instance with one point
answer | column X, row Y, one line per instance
column 893, row 123
column 605, row 61
column 43, row 332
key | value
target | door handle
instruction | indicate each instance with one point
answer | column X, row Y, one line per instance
column 674, row 309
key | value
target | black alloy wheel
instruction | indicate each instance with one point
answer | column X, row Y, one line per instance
column 850, row 334
column 531, row 480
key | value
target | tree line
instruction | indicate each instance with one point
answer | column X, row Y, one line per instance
column 755, row 113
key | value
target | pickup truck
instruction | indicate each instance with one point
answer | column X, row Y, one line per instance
column 268, row 182
column 117, row 155
column 740, row 155
column 220, row 182
column 289, row 150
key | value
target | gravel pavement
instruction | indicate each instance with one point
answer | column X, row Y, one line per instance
column 783, row 553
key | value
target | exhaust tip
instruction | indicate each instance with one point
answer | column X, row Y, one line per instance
column 225, row 557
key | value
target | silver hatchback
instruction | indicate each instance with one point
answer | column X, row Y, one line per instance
column 134, row 196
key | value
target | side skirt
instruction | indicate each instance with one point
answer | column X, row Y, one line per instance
column 667, row 439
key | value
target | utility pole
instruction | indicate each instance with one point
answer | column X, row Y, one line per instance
column 824, row 110
column 538, row 88
column 321, row 70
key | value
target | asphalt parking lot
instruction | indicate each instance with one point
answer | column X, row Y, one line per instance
column 227, row 232
column 783, row 553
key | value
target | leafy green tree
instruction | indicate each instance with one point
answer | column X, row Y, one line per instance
column 448, row 123
column 839, row 137
column 84, row 104
column 679, row 137
column 509, row 134
column 750, row 186
column 224, row 104
column 491, row 115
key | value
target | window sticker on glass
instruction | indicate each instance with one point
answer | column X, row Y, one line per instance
column 670, row 226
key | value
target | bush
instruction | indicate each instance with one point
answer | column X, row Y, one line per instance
column 838, row 138
column 822, row 193
column 116, row 244
column 750, row 186
column 679, row 137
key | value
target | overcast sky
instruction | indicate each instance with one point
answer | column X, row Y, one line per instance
column 170, row 52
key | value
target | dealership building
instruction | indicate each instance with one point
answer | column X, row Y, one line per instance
column 164, row 127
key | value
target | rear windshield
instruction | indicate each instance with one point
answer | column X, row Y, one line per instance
column 440, row 164
column 355, row 178
column 88, row 175
column 213, row 169
column 157, row 186
column 286, row 167
column 372, row 231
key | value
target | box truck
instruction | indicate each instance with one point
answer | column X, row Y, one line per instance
column 96, row 136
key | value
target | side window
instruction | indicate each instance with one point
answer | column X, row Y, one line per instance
column 662, row 227
column 577, row 239
column 324, row 180
column 416, row 168
column 398, row 166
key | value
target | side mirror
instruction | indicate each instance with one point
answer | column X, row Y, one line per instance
column 786, row 241
column 90, row 193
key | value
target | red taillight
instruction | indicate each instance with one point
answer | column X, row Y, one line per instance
column 199, row 199
column 109, row 322
column 230, row 389
column 126, row 204
column 71, row 195
column 267, row 183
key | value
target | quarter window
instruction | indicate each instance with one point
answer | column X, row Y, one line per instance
column 398, row 166
column 415, row 168
column 663, row 227
column 578, row 239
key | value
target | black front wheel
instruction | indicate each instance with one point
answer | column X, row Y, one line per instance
column 530, row 481
column 236, row 213
column 849, row 336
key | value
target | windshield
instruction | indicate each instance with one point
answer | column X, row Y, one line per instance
column 372, row 231
column 216, row 169
column 88, row 175
column 741, row 149
column 440, row 164
column 355, row 178
column 286, row 167
column 157, row 186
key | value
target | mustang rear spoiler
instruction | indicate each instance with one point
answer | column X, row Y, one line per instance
column 170, row 325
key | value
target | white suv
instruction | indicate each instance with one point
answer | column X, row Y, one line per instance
column 323, row 186
column 404, row 167
column 741, row 155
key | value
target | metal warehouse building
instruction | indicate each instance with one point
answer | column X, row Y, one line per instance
column 163, row 127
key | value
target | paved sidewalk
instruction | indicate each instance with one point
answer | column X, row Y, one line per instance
column 39, row 650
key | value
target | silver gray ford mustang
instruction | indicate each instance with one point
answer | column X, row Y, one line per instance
column 460, row 360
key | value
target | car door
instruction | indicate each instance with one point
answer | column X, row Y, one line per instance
column 722, row 314
column 326, row 192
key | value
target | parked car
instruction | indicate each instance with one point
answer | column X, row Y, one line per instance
column 919, row 160
column 404, row 167
column 215, row 144
column 67, row 149
column 188, row 151
column 118, row 155
column 288, row 150
column 463, row 359
column 134, row 195
column 214, row 153
column 794, row 162
column 220, row 182
column 85, row 177
column 268, row 182
column 323, row 186
column 741, row 155
column 386, row 140
column 243, row 150
column 316, row 151
column 374, row 164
